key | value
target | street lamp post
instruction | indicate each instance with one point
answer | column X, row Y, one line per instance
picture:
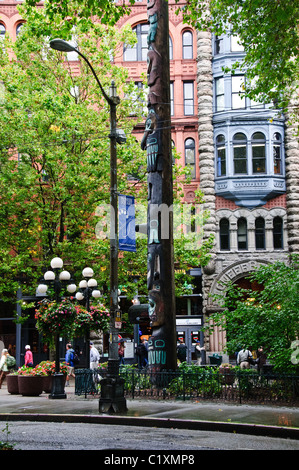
column 87, row 289
column 57, row 280
column 112, row 387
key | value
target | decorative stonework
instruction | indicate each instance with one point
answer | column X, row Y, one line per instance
column 232, row 273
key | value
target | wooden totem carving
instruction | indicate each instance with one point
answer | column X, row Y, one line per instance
column 157, row 143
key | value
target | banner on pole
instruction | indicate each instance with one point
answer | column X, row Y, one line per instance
column 126, row 223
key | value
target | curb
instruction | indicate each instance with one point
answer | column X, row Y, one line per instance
column 220, row 426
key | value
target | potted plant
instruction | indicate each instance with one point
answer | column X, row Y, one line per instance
column 30, row 380
column 12, row 383
column 227, row 373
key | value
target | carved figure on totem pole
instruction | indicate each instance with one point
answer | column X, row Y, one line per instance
column 153, row 141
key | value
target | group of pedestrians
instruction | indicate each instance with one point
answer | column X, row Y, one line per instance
column 245, row 358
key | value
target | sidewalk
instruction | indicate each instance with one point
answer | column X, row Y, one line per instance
column 275, row 421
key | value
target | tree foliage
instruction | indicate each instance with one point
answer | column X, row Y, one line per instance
column 268, row 30
column 55, row 158
column 267, row 316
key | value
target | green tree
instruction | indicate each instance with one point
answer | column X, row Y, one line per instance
column 55, row 150
column 268, row 30
column 266, row 315
column 55, row 159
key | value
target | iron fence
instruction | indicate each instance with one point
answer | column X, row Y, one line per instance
column 202, row 383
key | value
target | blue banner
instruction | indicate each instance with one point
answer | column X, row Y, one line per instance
column 126, row 223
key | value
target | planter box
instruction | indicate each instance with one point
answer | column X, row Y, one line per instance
column 12, row 384
column 30, row 386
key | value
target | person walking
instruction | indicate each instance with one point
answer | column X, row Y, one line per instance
column 3, row 366
column 261, row 359
column 28, row 356
column 198, row 350
column 121, row 351
column 181, row 351
column 69, row 359
column 94, row 356
column 142, row 353
column 244, row 358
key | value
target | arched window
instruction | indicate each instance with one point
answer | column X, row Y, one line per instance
column 2, row 30
column 18, row 28
column 170, row 49
column 277, row 146
column 260, row 243
column 224, row 234
column 138, row 52
column 190, row 156
column 277, row 233
column 258, row 144
column 242, row 234
column 240, row 153
column 221, row 155
column 187, row 45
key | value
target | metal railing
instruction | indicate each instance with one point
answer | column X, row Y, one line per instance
column 203, row 383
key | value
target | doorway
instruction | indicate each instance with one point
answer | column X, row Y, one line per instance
column 190, row 331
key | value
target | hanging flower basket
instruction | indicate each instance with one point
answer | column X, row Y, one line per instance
column 54, row 318
column 96, row 319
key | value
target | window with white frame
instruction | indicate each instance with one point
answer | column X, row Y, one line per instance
column 258, row 148
column 138, row 52
column 188, row 98
column 238, row 92
column 235, row 44
column 190, row 156
column 219, row 94
column 277, row 151
column 187, row 45
column 240, row 153
column 221, row 155
column 218, row 45
column 171, row 99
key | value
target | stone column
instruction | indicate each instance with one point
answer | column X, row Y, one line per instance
column 292, row 180
column 206, row 146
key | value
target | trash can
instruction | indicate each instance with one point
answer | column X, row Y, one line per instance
column 215, row 360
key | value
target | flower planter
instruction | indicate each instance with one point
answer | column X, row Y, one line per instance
column 30, row 385
column 12, row 384
column 227, row 376
column 47, row 383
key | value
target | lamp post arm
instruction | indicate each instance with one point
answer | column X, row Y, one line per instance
column 107, row 98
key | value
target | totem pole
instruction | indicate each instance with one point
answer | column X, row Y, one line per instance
column 157, row 143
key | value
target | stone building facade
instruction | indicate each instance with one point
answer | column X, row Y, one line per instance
column 248, row 160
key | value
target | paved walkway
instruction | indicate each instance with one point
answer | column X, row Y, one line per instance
column 264, row 420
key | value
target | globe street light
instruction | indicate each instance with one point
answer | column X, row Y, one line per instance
column 87, row 290
column 57, row 280
column 112, row 387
